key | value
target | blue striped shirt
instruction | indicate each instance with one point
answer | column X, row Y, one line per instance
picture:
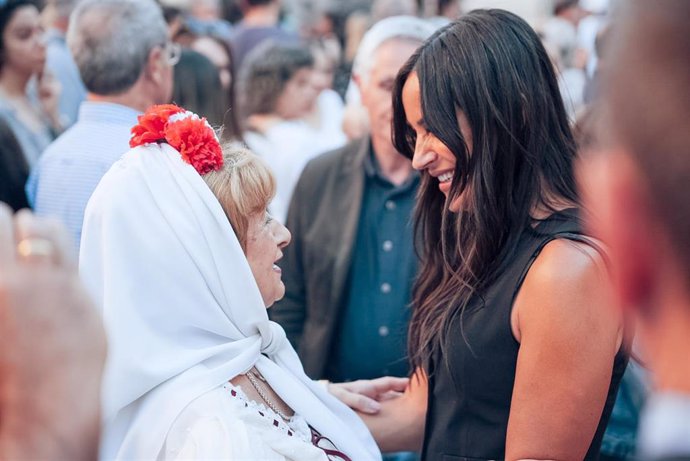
column 69, row 170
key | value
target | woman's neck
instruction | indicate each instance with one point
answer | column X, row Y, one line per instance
column 263, row 122
column 263, row 16
column 544, row 209
column 14, row 83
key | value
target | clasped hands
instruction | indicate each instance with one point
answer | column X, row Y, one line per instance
column 365, row 395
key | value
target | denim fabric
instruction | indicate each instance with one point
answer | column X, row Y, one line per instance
column 401, row 456
column 620, row 436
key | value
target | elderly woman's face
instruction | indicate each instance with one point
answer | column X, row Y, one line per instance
column 265, row 239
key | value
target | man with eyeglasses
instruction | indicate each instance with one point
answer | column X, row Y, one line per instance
column 125, row 59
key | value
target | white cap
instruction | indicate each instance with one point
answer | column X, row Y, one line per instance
column 386, row 29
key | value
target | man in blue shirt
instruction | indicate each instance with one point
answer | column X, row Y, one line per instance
column 125, row 59
column 349, row 269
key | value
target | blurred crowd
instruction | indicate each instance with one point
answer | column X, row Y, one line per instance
column 291, row 80
column 268, row 73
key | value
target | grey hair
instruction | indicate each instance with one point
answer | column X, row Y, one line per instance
column 398, row 27
column 111, row 41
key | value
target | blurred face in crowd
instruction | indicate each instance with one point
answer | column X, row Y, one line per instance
column 324, row 71
column 215, row 52
column 430, row 154
column 164, row 58
column 24, row 50
column 207, row 10
column 299, row 95
column 266, row 238
column 376, row 88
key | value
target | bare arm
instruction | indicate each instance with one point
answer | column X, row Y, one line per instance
column 399, row 426
column 569, row 336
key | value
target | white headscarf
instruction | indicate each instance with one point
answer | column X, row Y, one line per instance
column 182, row 310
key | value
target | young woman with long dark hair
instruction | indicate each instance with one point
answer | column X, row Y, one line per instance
column 516, row 350
column 34, row 121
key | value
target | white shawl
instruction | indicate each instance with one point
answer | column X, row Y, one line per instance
column 182, row 310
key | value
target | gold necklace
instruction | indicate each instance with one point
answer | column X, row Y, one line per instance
column 254, row 381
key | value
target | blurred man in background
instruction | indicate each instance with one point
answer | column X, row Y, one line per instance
column 125, row 59
column 350, row 268
column 260, row 22
column 638, row 194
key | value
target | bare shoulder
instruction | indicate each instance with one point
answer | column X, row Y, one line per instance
column 568, row 285
column 564, row 261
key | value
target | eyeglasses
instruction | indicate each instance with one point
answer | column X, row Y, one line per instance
column 172, row 52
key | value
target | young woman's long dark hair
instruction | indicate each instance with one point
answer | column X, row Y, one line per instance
column 491, row 66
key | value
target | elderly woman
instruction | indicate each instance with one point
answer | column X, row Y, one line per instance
column 278, row 92
column 180, row 252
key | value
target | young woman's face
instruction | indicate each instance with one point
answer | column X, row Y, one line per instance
column 266, row 238
column 298, row 98
column 430, row 154
column 24, row 50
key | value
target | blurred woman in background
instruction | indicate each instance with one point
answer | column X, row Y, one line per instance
column 22, row 58
column 220, row 54
column 198, row 87
column 277, row 93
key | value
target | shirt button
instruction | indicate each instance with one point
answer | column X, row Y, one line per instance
column 387, row 245
column 385, row 288
column 390, row 205
column 383, row 331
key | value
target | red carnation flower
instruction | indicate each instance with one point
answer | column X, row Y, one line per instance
column 196, row 142
column 151, row 126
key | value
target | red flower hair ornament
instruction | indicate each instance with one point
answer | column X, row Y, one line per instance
column 190, row 134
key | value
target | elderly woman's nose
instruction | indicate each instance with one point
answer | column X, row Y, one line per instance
column 284, row 236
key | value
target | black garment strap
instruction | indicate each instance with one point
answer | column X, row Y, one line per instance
column 573, row 236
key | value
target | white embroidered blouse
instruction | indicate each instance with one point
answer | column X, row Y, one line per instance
column 225, row 424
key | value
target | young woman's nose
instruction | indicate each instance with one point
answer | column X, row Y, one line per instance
column 422, row 158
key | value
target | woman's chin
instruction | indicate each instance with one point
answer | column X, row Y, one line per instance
column 280, row 293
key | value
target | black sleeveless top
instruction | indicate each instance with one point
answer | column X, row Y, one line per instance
column 470, row 390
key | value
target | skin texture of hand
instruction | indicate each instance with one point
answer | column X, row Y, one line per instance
column 364, row 395
column 52, row 348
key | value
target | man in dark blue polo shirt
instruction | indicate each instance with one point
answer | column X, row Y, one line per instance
column 349, row 271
